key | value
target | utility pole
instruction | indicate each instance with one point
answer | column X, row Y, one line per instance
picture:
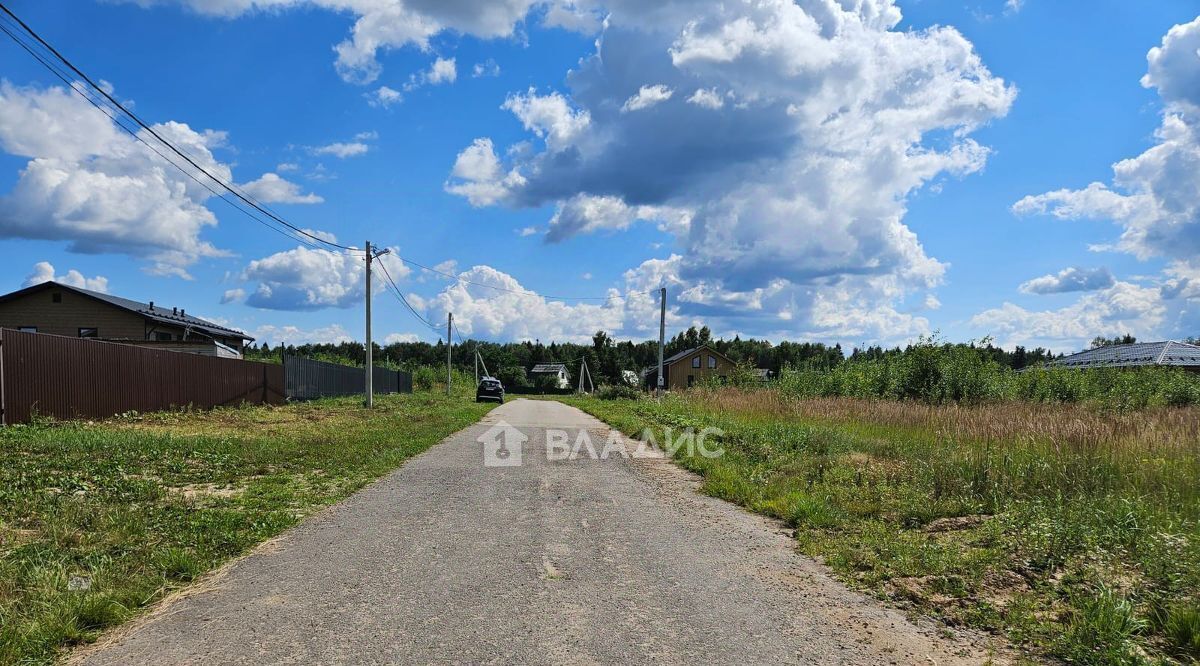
column 370, row 369
column 449, row 347
column 477, row 367
column 582, row 361
column 662, row 336
column 370, row 387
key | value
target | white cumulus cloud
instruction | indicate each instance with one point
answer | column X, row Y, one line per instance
column 1152, row 196
column 271, row 188
column 342, row 149
column 1119, row 309
column 384, row 96
column 785, row 174
column 313, row 279
column 93, row 186
column 646, row 97
column 383, row 24
column 43, row 271
column 294, row 335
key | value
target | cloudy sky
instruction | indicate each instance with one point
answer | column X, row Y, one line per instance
column 855, row 171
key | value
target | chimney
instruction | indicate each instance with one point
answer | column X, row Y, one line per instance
column 151, row 305
column 174, row 311
column 182, row 313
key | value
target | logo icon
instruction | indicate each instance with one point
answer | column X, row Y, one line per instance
column 502, row 445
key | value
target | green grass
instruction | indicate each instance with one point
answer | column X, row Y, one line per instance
column 1072, row 530
column 98, row 520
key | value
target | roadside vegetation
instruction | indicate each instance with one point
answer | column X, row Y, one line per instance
column 941, row 373
column 1070, row 527
column 99, row 520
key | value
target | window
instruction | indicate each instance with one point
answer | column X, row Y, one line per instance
column 712, row 362
column 88, row 332
column 56, row 297
column 27, row 329
column 691, row 380
column 162, row 337
column 695, row 361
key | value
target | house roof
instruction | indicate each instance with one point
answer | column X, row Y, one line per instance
column 1169, row 352
column 675, row 358
column 549, row 367
column 688, row 352
column 154, row 313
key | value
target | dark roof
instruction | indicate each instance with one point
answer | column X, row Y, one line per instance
column 548, row 367
column 156, row 313
column 1171, row 353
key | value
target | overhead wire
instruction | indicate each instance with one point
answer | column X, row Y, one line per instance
column 395, row 291
column 290, row 230
column 117, row 121
column 248, row 200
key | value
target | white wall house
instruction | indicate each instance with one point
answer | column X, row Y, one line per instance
column 556, row 370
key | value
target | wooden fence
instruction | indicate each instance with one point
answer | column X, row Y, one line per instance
column 307, row 379
column 69, row 378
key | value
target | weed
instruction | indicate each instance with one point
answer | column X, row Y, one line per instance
column 143, row 504
column 1070, row 527
column 1182, row 629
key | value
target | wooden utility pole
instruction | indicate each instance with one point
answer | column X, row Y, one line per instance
column 449, row 347
column 662, row 336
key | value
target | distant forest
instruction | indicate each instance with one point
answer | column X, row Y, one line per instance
column 607, row 358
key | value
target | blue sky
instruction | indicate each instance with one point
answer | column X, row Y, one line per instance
column 789, row 170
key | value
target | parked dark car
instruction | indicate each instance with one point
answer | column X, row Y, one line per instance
column 489, row 388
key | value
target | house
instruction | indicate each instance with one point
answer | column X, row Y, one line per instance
column 1168, row 353
column 689, row 367
column 60, row 309
column 557, row 372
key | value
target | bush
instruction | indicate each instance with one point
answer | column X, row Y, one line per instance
column 424, row 378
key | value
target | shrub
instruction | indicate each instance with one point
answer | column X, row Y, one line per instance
column 424, row 378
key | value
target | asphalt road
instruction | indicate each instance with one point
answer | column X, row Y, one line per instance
column 551, row 562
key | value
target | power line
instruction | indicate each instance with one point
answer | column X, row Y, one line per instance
column 90, row 100
column 118, row 105
column 395, row 290
column 292, row 231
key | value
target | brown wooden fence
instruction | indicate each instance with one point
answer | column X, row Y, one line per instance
column 71, row 378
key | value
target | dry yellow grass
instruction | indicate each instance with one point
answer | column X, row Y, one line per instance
column 1074, row 426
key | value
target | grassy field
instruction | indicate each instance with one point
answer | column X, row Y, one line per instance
column 98, row 520
column 1071, row 529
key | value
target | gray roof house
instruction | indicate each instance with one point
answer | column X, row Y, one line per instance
column 1168, row 353
column 61, row 309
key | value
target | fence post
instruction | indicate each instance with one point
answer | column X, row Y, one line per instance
column 3, row 413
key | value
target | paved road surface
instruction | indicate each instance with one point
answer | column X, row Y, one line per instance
column 583, row 562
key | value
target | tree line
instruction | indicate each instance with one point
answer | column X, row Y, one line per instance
column 610, row 361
